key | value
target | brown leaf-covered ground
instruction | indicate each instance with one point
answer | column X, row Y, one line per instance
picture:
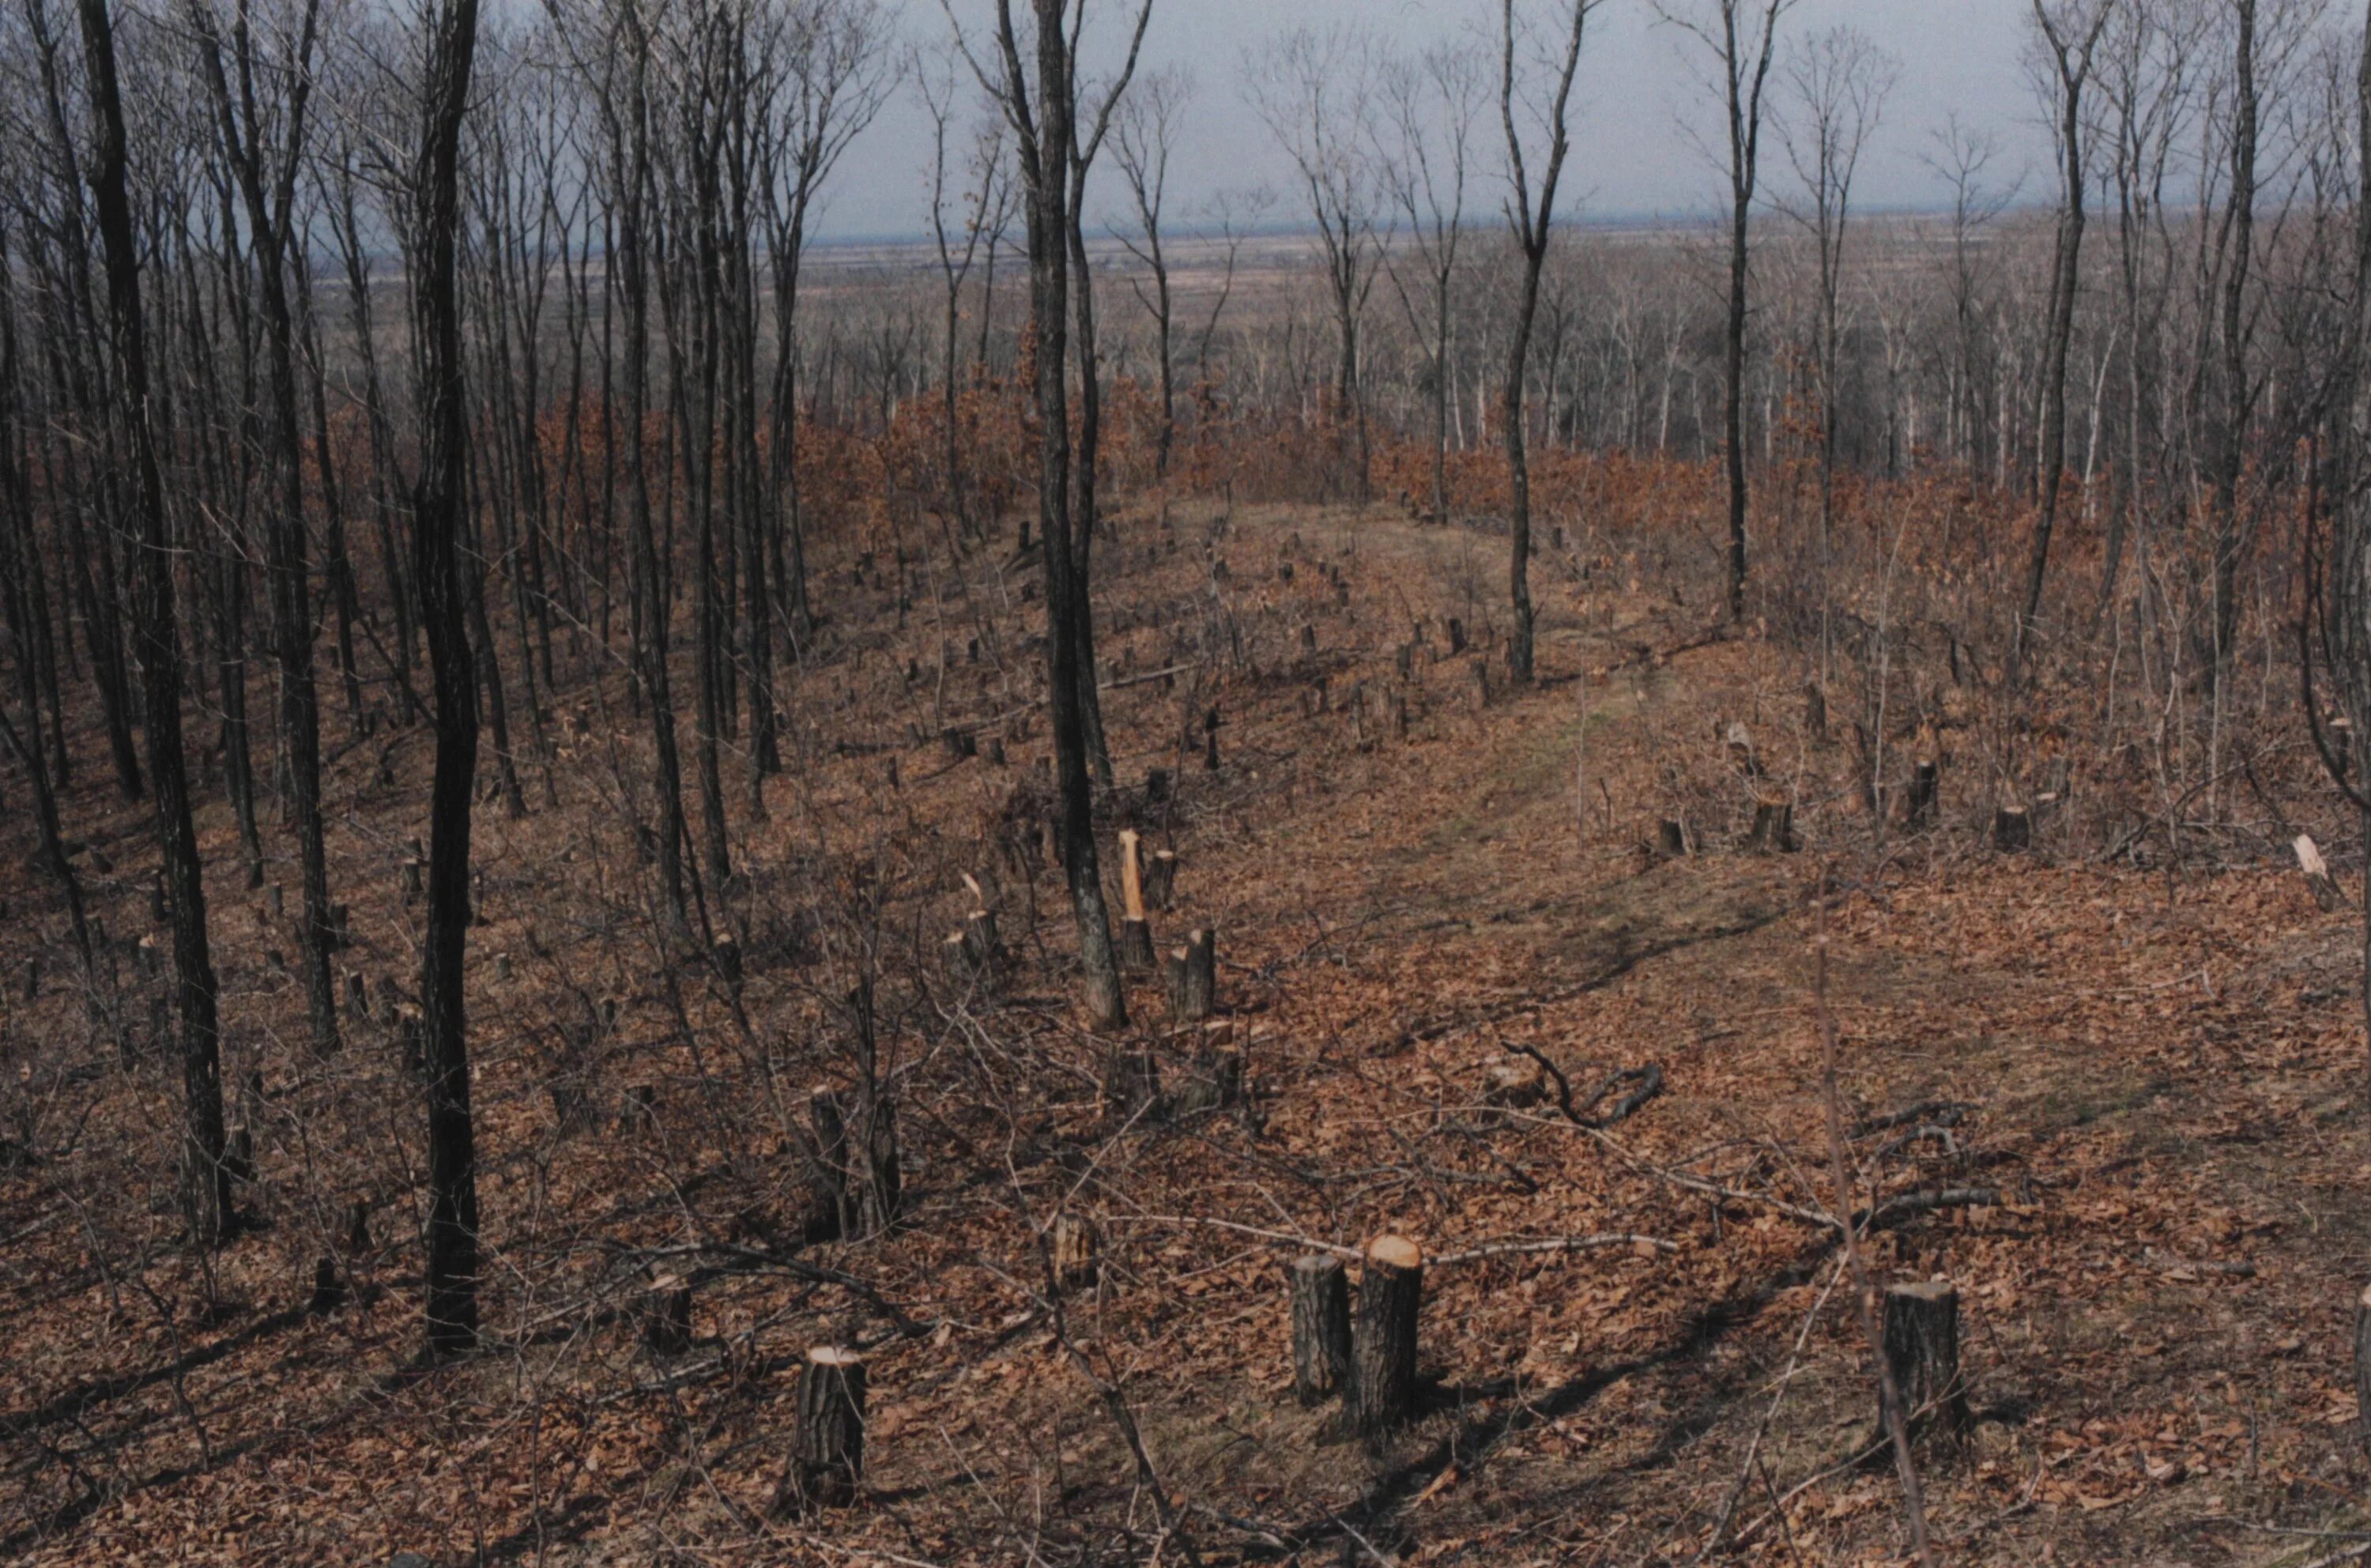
column 2149, row 1079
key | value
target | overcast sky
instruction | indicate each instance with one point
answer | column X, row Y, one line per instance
column 1632, row 157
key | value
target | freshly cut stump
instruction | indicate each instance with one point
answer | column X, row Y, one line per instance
column 1383, row 1350
column 829, row 1465
column 1077, row 1253
column 1922, row 1350
column 1321, row 1328
column 666, row 1316
column 1193, row 978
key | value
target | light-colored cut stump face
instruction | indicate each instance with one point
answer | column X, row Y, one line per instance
column 1397, row 1251
column 1927, row 1290
column 2366, row 1299
column 833, row 1356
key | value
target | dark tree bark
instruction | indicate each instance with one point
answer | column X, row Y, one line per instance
column 1384, row 1347
column 1321, row 1328
column 206, row 1171
column 438, row 524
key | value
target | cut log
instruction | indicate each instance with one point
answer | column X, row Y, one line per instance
column 1321, row 1328
column 829, row 1465
column 2012, row 830
column 666, row 1316
column 1193, row 978
column 1774, row 827
column 2317, row 875
column 1922, row 1351
column 1384, row 1348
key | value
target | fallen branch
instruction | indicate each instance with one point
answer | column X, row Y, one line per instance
column 1649, row 1079
column 1554, row 1245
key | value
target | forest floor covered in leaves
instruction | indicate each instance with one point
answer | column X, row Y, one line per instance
column 2140, row 1153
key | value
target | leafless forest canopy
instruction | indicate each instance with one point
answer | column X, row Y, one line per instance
column 1357, row 871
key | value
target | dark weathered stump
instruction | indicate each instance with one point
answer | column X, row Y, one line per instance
column 960, row 743
column 1160, row 878
column 1918, row 805
column 826, row 1167
column 1922, row 1351
column 329, row 1289
column 1321, row 1328
column 641, row 1113
column 1193, row 978
column 729, row 967
column 1156, row 785
column 1815, row 712
column 982, row 942
column 2012, row 830
column 357, row 997
column 1774, row 827
column 358, row 1235
column 1077, row 1253
column 1131, row 1084
column 2363, row 1362
column 2316, row 876
column 1383, row 1349
column 880, row 1188
column 1215, row 1082
column 1670, row 838
column 665, row 1315
column 1514, row 1084
column 829, row 1464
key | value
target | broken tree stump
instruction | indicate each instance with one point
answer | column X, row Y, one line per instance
column 1131, row 1084
column 1774, row 827
column 358, row 1235
column 1384, row 1345
column 1077, row 1253
column 329, row 1289
column 1672, row 839
column 1321, row 1328
column 1134, row 931
column 1215, row 1082
column 2362, row 1360
column 1922, row 1351
column 829, row 1464
column 2317, row 874
column 665, row 1315
column 1193, row 978
column 826, row 1166
column 2012, row 830
column 1918, row 805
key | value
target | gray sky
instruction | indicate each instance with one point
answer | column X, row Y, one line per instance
column 1639, row 83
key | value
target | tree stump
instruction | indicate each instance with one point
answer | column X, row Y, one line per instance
column 960, row 743
column 1160, row 879
column 1321, row 1328
column 829, row 1464
column 1131, row 1084
column 826, row 1167
column 1514, row 1084
column 1918, row 805
column 1134, row 931
column 666, row 1316
column 329, row 1290
column 2317, row 875
column 1077, row 1253
column 1399, row 716
column 2362, row 1360
column 1815, row 712
column 2012, row 830
column 642, row 1113
column 982, row 942
column 357, row 997
column 1384, row 1347
column 1774, row 827
column 1922, row 1351
column 1215, row 1083
column 358, row 1235
column 1193, row 978
column 1672, row 839
column 729, row 967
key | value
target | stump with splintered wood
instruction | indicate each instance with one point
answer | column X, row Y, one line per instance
column 1774, row 827
column 1922, row 1351
column 2012, row 830
column 666, row 1314
column 1193, row 978
column 1321, row 1328
column 2317, row 875
column 829, row 1465
column 1134, row 931
column 1383, row 1343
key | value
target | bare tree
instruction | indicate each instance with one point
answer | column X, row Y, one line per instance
column 437, row 498
column 1431, row 105
column 986, row 204
column 1143, row 137
column 1740, row 37
column 1315, row 91
column 1531, row 225
column 206, row 1171
column 2067, row 39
